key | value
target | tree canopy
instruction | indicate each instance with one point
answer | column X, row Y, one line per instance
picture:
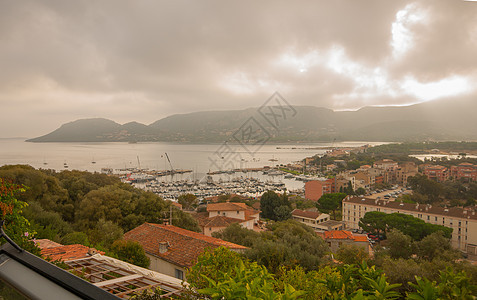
column 330, row 203
column 84, row 207
column 417, row 229
column 275, row 207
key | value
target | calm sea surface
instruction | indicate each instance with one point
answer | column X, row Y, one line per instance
column 199, row 158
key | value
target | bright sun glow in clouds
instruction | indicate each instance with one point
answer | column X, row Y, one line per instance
column 456, row 85
column 402, row 38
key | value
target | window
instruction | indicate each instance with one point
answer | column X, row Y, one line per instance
column 179, row 274
column 237, row 212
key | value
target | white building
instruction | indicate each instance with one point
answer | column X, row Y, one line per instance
column 462, row 221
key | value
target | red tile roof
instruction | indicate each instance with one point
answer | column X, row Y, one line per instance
column 184, row 245
column 68, row 252
column 344, row 235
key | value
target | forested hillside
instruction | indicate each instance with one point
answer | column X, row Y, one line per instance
column 87, row 208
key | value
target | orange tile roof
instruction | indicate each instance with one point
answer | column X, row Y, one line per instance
column 344, row 235
column 184, row 245
column 69, row 252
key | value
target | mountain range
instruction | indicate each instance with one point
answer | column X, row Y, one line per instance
column 448, row 119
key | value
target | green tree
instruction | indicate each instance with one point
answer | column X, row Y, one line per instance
column 360, row 191
column 105, row 233
column 188, row 201
column 289, row 243
column 237, row 234
column 373, row 222
column 330, row 203
column 274, row 207
column 399, row 245
column 436, row 245
column 223, row 274
column 76, row 238
column 425, row 186
column 351, row 254
column 131, row 252
column 16, row 226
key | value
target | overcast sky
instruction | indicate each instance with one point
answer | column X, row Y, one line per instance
column 144, row 60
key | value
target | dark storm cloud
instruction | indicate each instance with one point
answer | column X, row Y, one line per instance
column 143, row 60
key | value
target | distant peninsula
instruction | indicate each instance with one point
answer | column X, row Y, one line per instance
column 437, row 120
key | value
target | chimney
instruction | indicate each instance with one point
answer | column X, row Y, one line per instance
column 92, row 251
column 417, row 206
column 473, row 212
column 163, row 246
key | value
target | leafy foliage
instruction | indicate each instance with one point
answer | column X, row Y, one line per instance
column 16, row 226
column 417, row 229
column 88, row 208
column 275, row 207
column 351, row 254
column 288, row 243
column 330, row 203
column 225, row 275
column 131, row 252
column 188, row 201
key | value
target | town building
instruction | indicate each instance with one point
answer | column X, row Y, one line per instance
column 463, row 221
column 172, row 249
column 436, row 172
column 386, row 165
column 316, row 220
column 362, row 180
column 404, row 171
column 221, row 215
column 336, row 238
column 314, row 189
column 465, row 171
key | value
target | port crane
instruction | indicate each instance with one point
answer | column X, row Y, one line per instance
column 172, row 169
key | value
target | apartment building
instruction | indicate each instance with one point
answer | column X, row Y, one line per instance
column 316, row 188
column 465, row 171
column 463, row 221
column 386, row 164
column 436, row 172
column 404, row 171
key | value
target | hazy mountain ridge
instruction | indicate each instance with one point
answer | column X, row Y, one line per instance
column 437, row 120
